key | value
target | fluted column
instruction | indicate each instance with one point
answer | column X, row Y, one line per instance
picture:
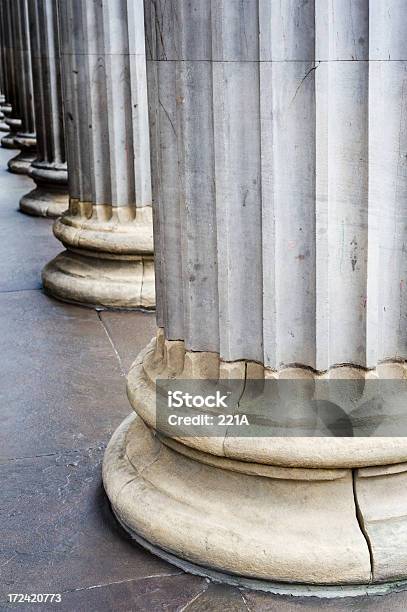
column 3, row 126
column 25, row 138
column 278, row 146
column 108, row 229
column 12, row 106
column 49, row 169
column 5, row 106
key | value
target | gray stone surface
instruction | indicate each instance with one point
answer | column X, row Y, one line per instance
column 65, row 395
column 131, row 337
column 279, row 199
column 26, row 244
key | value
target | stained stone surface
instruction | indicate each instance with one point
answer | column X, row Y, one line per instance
column 62, row 394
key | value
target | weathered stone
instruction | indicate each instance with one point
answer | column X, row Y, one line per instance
column 272, row 529
column 279, row 199
column 12, row 109
column 3, row 126
column 381, row 498
column 25, row 138
column 49, row 169
column 108, row 227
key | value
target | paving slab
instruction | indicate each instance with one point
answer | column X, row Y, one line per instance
column 57, row 533
column 130, row 332
column 60, row 381
column 166, row 593
column 26, row 243
column 218, row 597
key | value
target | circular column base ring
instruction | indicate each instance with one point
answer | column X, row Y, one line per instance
column 45, row 201
column 274, row 588
column 7, row 142
column 97, row 282
column 20, row 164
column 227, row 522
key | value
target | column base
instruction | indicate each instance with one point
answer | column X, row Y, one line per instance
column 21, row 163
column 3, row 125
column 6, row 108
column 267, row 586
column 214, row 514
column 332, row 513
column 50, row 198
column 45, row 202
column 7, row 142
column 99, row 281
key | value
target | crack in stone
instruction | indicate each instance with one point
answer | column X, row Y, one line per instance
column 195, row 598
column 242, row 595
column 168, row 117
column 312, row 69
column 106, row 584
column 359, row 518
column 61, row 453
column 20, row 290
column 116, row 352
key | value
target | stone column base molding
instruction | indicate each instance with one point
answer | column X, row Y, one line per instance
column 8, row 141
column 50, row 197
column 3, row 125
column 118, row 282
column 106, row 229
column 315, row 511
column 109, row 262
column 6, row 108
column 21, row 163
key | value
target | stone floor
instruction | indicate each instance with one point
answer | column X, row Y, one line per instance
column 62, row 373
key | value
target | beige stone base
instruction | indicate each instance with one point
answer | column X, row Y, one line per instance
column 7, row 142
column 121, row 231
column 283, row 527
column 45, row 202
column 311, row 511
column 21, row 163
column 88, row 279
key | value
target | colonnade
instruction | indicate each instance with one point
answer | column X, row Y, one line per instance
column 275, row 133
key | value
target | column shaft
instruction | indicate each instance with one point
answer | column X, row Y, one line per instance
column 295, row 151
column 108, row 229
column 25, row 138
column 12, row 110
column 3, row 126
column 49, row 169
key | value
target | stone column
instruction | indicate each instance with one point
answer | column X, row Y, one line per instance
column 108, row 229
column 5, row 106
column 25, row 138
column 49, row 170
column 278, row 142
column 12, row 107
column 3, row 126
